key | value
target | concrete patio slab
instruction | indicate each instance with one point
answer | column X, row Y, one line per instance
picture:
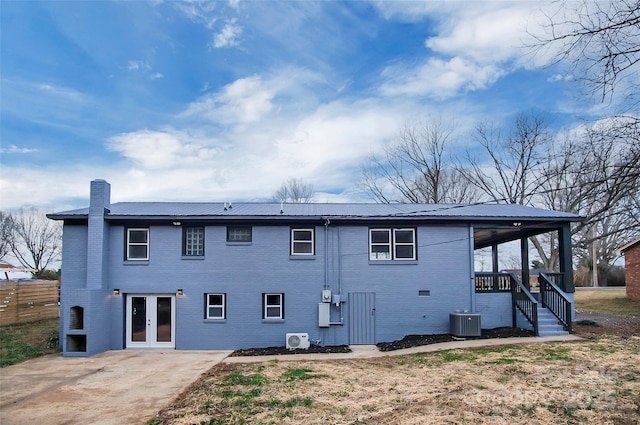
column 112, row 388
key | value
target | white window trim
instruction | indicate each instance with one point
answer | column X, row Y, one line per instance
column 130, row 244
column 265, row 306
column 412, row 244
column 392, row 243
column 224, row 306
column 389, row 244
column 312, row 241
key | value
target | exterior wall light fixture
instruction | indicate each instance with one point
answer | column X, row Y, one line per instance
column 180, row 292
column 116, row 291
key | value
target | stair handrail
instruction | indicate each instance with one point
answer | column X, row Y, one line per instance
column 555, row 300
column 525, row 302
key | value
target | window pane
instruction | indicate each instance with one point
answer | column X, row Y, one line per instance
column 138, row 236
column 273, row 299
column 273, row 311
column 381, row 254
column 404, row 251
column 379, row 236
column 215, row 312
column 302, row 248
column 404, row 236
column 215, row 299
column 302, row 235
column 137, row 251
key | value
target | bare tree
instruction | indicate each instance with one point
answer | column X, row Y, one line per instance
column 416, row 168
column 600, row 41
column 295, row 190
column 591, row 173
column 35, row 240
column 6, row 224
column 507, row 168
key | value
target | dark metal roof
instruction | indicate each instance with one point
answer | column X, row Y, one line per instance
column 353, row 211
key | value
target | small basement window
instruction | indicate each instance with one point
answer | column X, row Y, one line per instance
column 216, row 306
column 273, row 306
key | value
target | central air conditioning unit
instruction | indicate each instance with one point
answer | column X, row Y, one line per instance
column 298, row 341
column 464, row 324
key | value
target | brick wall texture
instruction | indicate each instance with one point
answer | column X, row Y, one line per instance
column 632, row 271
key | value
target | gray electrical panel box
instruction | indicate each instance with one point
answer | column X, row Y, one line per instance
column 324, row 313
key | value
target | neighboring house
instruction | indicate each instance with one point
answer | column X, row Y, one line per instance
column 207, row 276
column 11, row 272
column 631, row 253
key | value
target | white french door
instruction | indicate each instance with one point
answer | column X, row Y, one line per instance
column 151, row 321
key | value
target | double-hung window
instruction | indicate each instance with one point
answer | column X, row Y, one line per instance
column 216, row 306
column 137, row 244
column 193, row 241
column 273, row 306
column 392, row 244
column 302, row 242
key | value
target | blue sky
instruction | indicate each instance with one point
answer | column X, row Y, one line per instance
column 223, row 101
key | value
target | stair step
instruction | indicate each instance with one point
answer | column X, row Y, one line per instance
column 552, row 333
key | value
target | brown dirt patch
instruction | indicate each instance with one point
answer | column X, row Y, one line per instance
column 596, row 323
column 596, row 380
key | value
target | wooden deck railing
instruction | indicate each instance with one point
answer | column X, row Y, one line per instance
column 493, row 282
column 555, row 299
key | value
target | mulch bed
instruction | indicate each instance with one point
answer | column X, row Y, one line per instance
column 406, row 342
column 269, row 351
column 417, row 340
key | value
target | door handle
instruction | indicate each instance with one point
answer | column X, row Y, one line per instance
column 373, row 310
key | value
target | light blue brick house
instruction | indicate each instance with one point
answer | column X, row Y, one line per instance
column 196, row 276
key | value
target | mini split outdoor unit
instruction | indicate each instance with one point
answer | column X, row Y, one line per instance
column 464, row 324
column 298, row 340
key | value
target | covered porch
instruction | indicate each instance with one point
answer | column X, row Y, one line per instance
column 544, row 303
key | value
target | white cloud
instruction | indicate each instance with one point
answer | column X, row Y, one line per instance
column 438, row 78
column 138, row 65
column 161, row 149
column 245, row 100
column 487, row 32
column 15, row 149
column 156, row 76
column 472, row 46
column 201, row 12
column 250, row 99
column 228, row 36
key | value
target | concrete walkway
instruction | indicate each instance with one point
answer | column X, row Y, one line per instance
column 112, row 388
column 131, row 386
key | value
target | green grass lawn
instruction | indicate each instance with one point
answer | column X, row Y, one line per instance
column 27, row 340
column 608, row 300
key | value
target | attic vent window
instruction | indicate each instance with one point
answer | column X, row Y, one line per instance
column 239, row 234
